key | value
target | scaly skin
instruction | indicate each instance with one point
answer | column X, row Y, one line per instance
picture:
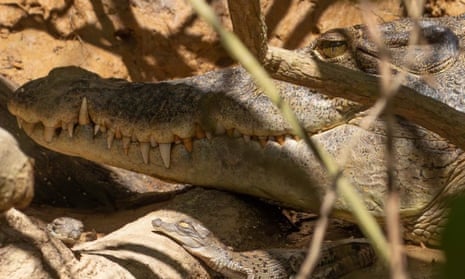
column 234, row 139
column 337, row 259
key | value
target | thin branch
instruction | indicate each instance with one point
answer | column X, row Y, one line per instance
column 339, row 81
column 314, row 250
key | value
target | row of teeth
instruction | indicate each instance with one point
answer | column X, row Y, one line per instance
column 165, row 148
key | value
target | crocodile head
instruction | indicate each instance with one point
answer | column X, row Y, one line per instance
column 201, row 243
column 192, row 236
column 218, row 130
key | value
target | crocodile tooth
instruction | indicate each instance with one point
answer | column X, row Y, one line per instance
column 219, row 130
column 126, row 142
column 28, row 127
column 208, row 135
column 144, row 149
column 234, row 133
column 165, row 152
column 84, row 113
column 110, row 138
column 48, row 133
column 19, row 121
column 262, row 140
column 280, row 139
column 288, row 137
column 153, row 142
column 199, row 133
column 96, row 129
column 118, row 134
column 187, row 144
column 246, row 138
column 70, row 128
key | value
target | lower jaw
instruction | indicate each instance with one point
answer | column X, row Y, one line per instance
column 271, row 171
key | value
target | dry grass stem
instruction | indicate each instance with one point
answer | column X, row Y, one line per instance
column 314, row 250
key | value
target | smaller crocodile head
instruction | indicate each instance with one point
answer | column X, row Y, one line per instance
column 191, row 235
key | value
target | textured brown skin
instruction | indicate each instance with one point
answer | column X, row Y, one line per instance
column 428, row 169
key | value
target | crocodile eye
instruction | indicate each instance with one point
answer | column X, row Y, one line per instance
column 185, row 226
column 331, row 45
column 193, row 229
column 332, row 49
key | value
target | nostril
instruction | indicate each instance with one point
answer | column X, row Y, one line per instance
column 156, row 222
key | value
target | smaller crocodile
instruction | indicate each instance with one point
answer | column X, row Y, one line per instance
column 338, row 258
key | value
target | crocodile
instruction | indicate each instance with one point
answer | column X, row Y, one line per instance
column 337, row 258
column 219, row 130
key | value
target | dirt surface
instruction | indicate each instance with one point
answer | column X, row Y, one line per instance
column 155, row 40
column 143, row 40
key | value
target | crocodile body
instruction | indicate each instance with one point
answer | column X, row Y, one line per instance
column 218, row 130
column 338, row 258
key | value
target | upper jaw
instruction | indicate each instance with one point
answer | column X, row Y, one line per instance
column 102, row 104
column 54, row 129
